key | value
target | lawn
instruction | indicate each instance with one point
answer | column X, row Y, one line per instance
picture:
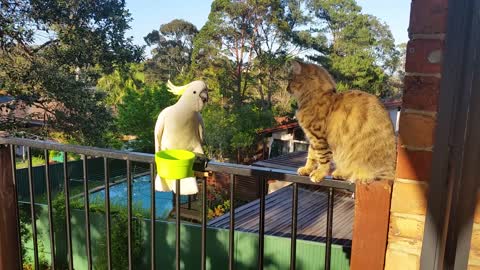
column 36, row 161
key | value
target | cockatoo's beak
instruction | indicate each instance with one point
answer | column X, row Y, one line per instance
column 204, row 95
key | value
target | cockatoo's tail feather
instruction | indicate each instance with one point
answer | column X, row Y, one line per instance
column 176, row 90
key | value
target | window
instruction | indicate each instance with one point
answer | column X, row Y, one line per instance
column 298, row 146
column 279, row 148
column 298, row 134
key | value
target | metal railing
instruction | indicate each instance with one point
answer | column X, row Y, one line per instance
column 261, row 173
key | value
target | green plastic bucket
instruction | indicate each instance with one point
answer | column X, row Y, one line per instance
column 174, row 164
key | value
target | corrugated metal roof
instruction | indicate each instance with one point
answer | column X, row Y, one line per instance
column 312, row 215
column 5, row 99
column 290, row 161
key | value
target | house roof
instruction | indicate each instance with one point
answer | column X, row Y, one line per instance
column 290, row 161
column 312, row 206
column 312, row 215
column 394, row 103
column 34, row 115
column 278, row 128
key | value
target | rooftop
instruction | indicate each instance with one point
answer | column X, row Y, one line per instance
column 312, row 215
column 290, row 161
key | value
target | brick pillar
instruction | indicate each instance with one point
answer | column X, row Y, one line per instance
column 416, row 133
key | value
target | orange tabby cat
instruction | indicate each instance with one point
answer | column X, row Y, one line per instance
column 351, row 127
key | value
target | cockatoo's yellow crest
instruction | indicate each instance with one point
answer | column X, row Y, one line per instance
column 176, row 90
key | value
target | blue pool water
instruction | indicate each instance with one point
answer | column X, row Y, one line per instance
column 140, row 196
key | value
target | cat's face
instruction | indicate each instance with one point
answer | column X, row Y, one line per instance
column 295, row 80
column 308, row 78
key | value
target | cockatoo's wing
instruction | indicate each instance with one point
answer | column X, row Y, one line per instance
column 159, row 131
column 201, row 128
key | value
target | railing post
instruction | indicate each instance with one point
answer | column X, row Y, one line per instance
column 370, row 228
column 9, row 242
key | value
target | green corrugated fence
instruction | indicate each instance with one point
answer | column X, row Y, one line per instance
column 310, row 255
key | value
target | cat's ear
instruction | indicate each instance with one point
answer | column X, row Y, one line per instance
column 294, row 67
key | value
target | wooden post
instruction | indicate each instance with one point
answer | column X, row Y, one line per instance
column 9, row 242
column 370, row 228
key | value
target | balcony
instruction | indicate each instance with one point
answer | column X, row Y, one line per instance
column 276, row 231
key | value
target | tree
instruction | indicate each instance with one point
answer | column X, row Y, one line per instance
column 120, row 80
column 398, row 77
column 359, row 50
column 51, row 54
column 243, row 47
column 138, row 112
column 232, row 133
column 173, row 51
column 240, row 52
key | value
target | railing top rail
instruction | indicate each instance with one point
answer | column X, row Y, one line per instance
column 275, row 174
column 236, row 169
column 78, row 149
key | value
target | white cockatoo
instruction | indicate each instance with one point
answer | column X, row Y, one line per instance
column 180, row 126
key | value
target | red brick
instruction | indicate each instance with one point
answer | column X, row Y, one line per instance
column 428, row 16
column 417, row 130
column 414, row 165
column 421, row 93
column 419, row 52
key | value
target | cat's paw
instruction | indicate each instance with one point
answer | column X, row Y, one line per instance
column 364, row 181
column 304, row 170
column 338, row 175
column 317, row 175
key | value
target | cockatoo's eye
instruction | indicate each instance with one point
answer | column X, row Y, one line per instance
column 194, row 92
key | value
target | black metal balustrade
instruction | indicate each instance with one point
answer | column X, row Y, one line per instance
column 260, row 173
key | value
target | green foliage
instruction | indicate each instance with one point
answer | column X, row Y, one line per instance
column 241, row 50
column 358, row 49
column 218, row 131
column 237, row 44
column 218, row 210
column 119, row 244
column 25, row 237
column 173, row 50
column 138, row 113
column 36, row 161
column 25, row 223
column 81, row 40
column 232, row 132
column 119, row 227
column 248, row 120
column 119, row 81
column 86, row 66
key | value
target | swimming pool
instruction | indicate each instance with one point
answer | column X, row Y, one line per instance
column 140, row 196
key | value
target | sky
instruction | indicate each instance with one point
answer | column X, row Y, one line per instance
column 148, row 15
